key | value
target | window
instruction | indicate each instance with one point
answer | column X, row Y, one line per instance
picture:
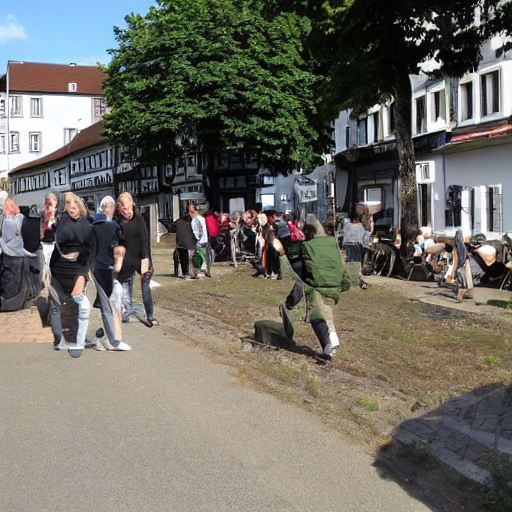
column 392, row 118
column 420, row 120
column 181, row 166
column 2, row 107
column 59, row 177
column 466, row 101
column 14, row 142
column 99, row 106
column 236, row 157
column 376, row 127
column 361, row 132
column 2, row 143
column 425, row 172
column 269, row 180
column 347, row 137
column 71, row 87
column 425, row 203
column 223, row 159
column 34, row 142
column 250, row 159
column 267, row 201
column 438, row 106
column 490, row 84
column 373, row 195
column 16, row 106
column 36, row 107
column 69, row 134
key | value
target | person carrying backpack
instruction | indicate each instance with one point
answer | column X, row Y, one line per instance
column 322, row 279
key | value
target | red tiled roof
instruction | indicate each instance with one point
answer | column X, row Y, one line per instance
column 38, row 77
column 85, row 139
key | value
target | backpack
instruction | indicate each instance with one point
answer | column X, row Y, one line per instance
column 324, row 267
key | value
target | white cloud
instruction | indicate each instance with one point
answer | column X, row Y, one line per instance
column 12, row 30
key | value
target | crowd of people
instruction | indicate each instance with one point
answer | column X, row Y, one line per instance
column 73, row 255
column 264, row 239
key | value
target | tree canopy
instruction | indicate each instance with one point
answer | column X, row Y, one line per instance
column 378, row 45
column 212, row 75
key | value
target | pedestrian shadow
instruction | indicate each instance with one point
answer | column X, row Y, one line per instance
column 451, row 457
column 279, row 335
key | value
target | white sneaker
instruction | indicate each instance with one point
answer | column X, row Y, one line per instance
column 330, row 351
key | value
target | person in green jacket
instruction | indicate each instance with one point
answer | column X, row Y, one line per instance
column 321, row 279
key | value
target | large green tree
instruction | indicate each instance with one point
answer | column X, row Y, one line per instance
column 377, row 45
column 212, row 75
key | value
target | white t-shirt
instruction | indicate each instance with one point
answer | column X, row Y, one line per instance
column 353, row 233
column 199, row 229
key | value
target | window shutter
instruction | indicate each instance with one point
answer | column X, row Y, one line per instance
column 480, row 210
column 495, row 196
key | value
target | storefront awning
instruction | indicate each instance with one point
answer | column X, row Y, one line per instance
column 474, row 140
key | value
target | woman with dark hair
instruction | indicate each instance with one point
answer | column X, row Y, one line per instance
column 322, row 278
column 20, row 276
column 69, row 265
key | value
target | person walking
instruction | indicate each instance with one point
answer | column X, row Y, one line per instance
column 108, row 258
column 353, row 236
column 137, row 258
column 213, row 228
column 48, row 220
column 69, row 265
column 201, row 234
column 19, row 281
column 461, row 273
column 185, row 247
column 321, row 281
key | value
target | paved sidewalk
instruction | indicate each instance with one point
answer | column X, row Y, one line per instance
column 162, row 428
column 462, row 433
column 469, row 431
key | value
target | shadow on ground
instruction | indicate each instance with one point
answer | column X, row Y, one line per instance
column 268, row 333
column 457, row 456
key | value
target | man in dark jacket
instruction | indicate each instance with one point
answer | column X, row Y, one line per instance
column 136, row 259
column 185, row 247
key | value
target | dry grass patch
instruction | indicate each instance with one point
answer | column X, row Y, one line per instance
column 397, row 357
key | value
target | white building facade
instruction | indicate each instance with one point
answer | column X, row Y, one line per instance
column 44, row 107
column 462, row 132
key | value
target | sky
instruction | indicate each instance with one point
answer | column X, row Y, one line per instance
column 62, row 31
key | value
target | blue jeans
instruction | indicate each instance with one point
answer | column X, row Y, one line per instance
column 84, row 309
column 147, row 298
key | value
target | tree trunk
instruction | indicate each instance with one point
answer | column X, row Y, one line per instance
column 406, row 161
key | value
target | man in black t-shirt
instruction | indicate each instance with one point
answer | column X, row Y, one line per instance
column 136, row 240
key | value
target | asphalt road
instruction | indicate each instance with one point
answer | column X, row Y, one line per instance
column 161, row 428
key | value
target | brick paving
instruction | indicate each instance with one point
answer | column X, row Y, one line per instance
column 23, row 327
